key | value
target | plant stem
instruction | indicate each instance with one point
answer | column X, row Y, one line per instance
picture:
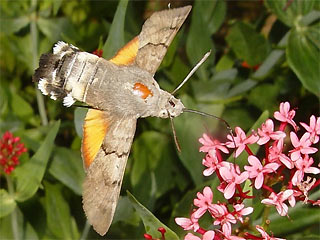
column 265, row 216
column 14, row 214
column 85, row 231
column 34, row 47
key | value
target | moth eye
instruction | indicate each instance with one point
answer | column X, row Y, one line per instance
column 141, row 90
column 172, row 103
column 163, row 113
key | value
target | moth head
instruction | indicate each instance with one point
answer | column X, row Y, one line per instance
column 169, row 106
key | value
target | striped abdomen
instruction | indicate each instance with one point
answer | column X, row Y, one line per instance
column 66, row 73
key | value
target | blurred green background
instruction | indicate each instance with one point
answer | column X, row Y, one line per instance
column 263, row 53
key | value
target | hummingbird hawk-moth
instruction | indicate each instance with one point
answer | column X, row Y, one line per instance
column 120, row 91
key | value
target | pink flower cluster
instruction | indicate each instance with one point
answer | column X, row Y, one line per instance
column 10, row 150
column 223, row 217
column 282, row 155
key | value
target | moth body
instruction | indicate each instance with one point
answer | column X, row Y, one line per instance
column 119, row 90
column 75, row 75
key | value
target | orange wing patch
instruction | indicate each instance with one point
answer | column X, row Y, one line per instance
column 141, row 90
column 127, row 54
column 94, row 130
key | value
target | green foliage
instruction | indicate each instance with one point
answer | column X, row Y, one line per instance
column 60, row 223
column 41, row 198
column 29, row 175
column 8, row 203
column 302, row 49
column 151, row 223
column 115, row 38
column 247, row 44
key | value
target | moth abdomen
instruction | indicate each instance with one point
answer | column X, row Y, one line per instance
column 51, row 74
column 65, row 73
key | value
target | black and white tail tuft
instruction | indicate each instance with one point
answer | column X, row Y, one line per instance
column 54, row 69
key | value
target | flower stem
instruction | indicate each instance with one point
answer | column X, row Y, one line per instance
column 85, row 231
column 269, row 189
column 248, row 150
column 265, row 216
column 34, row 47
column 14, row 214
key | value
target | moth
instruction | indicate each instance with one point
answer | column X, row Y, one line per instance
column 120, row 91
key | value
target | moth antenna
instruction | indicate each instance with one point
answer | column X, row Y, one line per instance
column 175, row 135
column 212, row 116
column 195, row 68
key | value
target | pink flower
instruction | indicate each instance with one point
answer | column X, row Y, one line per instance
column 240, row 211
column 222, row 217
column 208, row 235
column 286, row 115
column 292, row 198
column 266, row 133
column 275, row 154
column 203, row 201
column 316, row 203
column 212, row 163
column 313, row 129
column 265, row 235
column 257, row 171
column 303, row 166
column 232, row 176
column 211, row 144
column 277, row 200
column 240, row 140
column 228, row 236
column 188, row 224
column 302, row 146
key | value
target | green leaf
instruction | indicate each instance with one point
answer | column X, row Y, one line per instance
column 4, row 96
column 56, row 6
column 289, row 11
column 7, row 203
column 21, row 107
column 12, row 25
column 217, row 16
column 225, row 62
column 30, row 174
column 125, row 212
column 215, row 89
column 150, row 222
column 59, row 219
column 248, row 44
column 67, row 167
column 264, row 96
column 303, row 57
column 199, row 38
column 241, row 88
column 57, row 28
column 115, row 38
column 147, row 150
column 79, row 115
column 189, row 132
column 175, row 73
column 24, row 229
